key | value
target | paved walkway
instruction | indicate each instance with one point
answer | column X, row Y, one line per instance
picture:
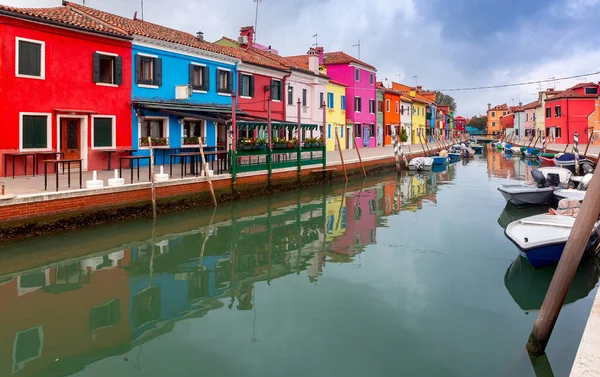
column 29, row 185
column 587, row 361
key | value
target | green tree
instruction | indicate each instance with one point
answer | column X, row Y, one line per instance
column 478, row 122
column 445, row 100
column 403, row 135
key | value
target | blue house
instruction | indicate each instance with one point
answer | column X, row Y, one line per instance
column 182, row 86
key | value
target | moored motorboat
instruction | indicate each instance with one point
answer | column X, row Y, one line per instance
column 453, row 156
column 567, row 161
column 547, row 158
column 477, row 148
column 516, row 151
column 577, row 193
column 420, row 163
column 564, row 175
column 439, row 160
column 532, row 153
column 521, row 195
column 542, row 238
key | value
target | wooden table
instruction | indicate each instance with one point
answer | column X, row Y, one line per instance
column 58, row 155
column 194, row 156
column 63, row 162
column 13, row 155
column 132, row 159
column 109, row 153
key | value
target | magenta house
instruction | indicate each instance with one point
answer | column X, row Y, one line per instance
column 361, row 95
column 361, row 223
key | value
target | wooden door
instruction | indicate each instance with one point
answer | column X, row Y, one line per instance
column 70, row 138
column 222, row 136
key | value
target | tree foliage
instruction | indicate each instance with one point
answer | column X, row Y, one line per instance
column 478, row 122
column 445, row 100
column 403, row 135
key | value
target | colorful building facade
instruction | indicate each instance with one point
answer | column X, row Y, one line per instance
column 406, row 116
column 391, row 115
column 530, row 118
column 493, row 118
column 567, row 112
column 45, row 110
column 380, row 111
column 336, row 116
column 361, row 105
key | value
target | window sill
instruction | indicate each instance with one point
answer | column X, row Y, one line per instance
column 246, row 97
column 103, row 148
column 276, row 100
column 107, row 84
column 26, row 150
column 199, row 91
column 147, row 86
column 30, row 77
column 224, row 94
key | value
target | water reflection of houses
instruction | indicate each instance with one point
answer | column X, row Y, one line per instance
column 80, row 311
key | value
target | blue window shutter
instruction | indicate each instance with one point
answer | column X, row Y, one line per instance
column 342, row 132
column 329, row 131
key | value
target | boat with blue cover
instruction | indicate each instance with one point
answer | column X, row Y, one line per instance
column 439, row 160
column 567, row 161
column 542, row 238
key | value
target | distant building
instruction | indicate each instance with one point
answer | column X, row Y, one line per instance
column 460, row 124
column 494, row 114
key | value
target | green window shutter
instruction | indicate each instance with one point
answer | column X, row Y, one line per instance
column 205, row 79
column 35, row 131
column 157, row 71
column 241, row 85
column 118, row 70
column 96, row 67
column 138, row 69
column 251, row 86
column 192, row 68
column 30, row 58
column 103, row 132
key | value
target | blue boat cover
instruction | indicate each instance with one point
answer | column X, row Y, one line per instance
column 566, row 157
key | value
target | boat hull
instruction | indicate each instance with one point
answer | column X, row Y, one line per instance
column 549, row 255
column 546, row 160
column 570, row 164
column 522, row 195
column 437, row 160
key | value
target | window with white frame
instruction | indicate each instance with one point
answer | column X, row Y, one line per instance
column 225, row 81
column 154, row 128
column 192, row 131
column 372, row 106
column 357, row 74
column 276, row 90
column 35, row 131
column 304, row 96
column 397, row 107
column 103, row 132
column 107, row 68
column 357, row 104
column 148, row 70
column 30, row 58
column 372, row 78
column 106, row 315
column 199, row 79
column 246, row 85
column 290, row 95
column 387, row 105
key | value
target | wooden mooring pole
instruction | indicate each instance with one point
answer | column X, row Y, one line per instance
column 590, row 134
column 565, row 271
column 359, row 158
column 152, row 183
column 337, row 138
column 206, row 173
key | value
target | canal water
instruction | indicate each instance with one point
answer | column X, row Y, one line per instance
column 407, row 276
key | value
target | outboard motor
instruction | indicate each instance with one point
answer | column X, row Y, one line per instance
column 585, row 182
column 539, row 178
column 587, row 168
column 553, row 179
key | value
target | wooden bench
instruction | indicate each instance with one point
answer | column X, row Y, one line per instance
column 325, row 171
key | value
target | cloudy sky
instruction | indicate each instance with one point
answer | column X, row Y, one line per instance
column 447, row 44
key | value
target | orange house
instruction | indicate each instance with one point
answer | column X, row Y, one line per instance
column 391, row 114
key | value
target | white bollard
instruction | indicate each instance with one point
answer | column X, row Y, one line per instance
column 116, row 181
column 95, row 183
column 161, row 177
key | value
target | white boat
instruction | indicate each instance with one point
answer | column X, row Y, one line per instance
column 542, row 238
column 577, row 193
column 420, row 163
column 564, row 175
column 516, row 151
column 524, row 194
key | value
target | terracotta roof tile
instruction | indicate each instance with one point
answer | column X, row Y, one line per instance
column 570, row 93
column 340, row 57
column 163, row 33
column 62, row 15
column 532, row 105
column 499, row 107
column 584, row 85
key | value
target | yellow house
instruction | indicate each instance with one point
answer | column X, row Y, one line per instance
column 336, row 217
column 419, row 113
column 336, row 116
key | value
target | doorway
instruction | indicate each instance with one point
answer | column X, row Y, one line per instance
column 70, row 138
column 222, row 137
column 348, row 137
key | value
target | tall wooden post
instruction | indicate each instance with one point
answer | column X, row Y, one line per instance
column 360, row 159
column 269, row 144
column 567, row 266
column 206, row 173
column 152, row 183
column 576, row 151
column 395, row 144
column 323, row 133
column 590, row 134
column 341, row 156
column 233, row 142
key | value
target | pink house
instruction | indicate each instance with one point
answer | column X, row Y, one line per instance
column 530, row 117
column 361, row 223
column 361, row 95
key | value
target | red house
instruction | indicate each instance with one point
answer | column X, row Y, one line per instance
column 66, row 87
column 507, row 122
column 567, row 112
column 460, row 124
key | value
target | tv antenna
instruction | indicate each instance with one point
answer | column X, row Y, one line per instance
column 142, row 1
column 357, row 45
column 398, row 74
column 256, row 17
column 416, row 77
column 316, row 37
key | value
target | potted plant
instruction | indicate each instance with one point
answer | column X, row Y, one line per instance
column 192, row 140
column 403, row 136
column 244, row 144
column 261, row 143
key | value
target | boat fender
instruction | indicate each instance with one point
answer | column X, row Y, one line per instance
column 588, row 168
column 585, row 182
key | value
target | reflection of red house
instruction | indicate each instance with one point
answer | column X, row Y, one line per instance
column 460, row 124
column 361, row 215
column 57, row 315
column 389, row 194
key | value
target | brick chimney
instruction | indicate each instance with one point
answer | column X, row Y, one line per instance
column 489, row 106
column 419, row 89
column 247, row 31
column 315, row 58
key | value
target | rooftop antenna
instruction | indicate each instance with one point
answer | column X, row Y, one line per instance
column 358, row 45
column 416, row 77
column 256, row 17
column 316, row 37
column 142, row 9
column 554, row 81
column 398, row 74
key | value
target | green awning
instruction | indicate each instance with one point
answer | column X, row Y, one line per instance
column 249, row 125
